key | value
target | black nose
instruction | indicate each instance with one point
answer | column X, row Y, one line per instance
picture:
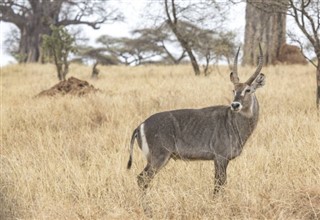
column 235, row 105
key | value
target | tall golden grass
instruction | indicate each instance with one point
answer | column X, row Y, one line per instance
column 65, row 157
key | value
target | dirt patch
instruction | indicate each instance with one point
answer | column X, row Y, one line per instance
column 290, row 54
column 72, row 86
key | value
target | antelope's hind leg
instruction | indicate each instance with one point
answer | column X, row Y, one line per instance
column 144, row 178
column 152, row 168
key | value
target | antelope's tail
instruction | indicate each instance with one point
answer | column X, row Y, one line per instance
column 133, row 137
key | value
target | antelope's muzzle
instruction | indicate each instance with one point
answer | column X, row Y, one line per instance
column 236, row 106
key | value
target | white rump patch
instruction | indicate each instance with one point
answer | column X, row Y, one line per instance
column 145, row 147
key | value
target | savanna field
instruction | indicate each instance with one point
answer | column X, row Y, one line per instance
column 65, row 157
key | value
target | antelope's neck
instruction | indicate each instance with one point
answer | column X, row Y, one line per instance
column 246, row 121
column 252, row 111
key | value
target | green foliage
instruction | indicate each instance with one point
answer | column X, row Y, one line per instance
column 58, row 46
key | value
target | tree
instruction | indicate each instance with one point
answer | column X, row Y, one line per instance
column 307, row 17
column 145, row 45
column 131, row 51
column 264, row 25
column 95, row 71
column 183, row 17
column 213, row 46
column 161, row 39
column 34, row 17
column 174, row 25
column 306, row 14
column 150, row 45
column 58, row 45
column 97, row 54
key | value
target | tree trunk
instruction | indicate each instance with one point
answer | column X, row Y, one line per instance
column 173, row 24
column 30, row 42
column 266, row 28
column 187, row 48
column 95, row 71
column 194, row 62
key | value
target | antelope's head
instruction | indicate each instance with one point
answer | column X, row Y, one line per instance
column 243, row 92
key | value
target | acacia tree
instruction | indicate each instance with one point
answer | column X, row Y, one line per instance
column 182, row 16
column 34, row 17
column 149, row 45
column 129, row 51
column 160, row 37
column 173, row 24
column 97, row 54
column 211, row 46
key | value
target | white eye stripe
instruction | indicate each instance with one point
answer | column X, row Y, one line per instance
column 244, row 91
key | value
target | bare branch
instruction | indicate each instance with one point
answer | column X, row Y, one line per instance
column 167, row 11
column 302, row 51
column 9, row 15
column 174, row 13
column 84, row 10
column 300, row 23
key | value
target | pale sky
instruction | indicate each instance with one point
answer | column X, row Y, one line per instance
column 133, row 11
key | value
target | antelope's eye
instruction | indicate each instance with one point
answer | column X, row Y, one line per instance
column 248, row 90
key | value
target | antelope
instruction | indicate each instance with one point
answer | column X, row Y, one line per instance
column 216, row 133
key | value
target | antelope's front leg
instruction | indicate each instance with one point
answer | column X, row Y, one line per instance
column 220, row 176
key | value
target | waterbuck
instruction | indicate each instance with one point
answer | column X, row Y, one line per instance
column 215, row 133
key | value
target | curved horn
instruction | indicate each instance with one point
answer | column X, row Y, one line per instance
column 257, row 72
column 235, row 63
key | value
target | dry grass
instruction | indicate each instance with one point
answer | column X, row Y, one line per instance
column 65, row 157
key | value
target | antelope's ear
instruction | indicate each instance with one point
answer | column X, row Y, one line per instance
column 259, row 81
column 234, row 78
